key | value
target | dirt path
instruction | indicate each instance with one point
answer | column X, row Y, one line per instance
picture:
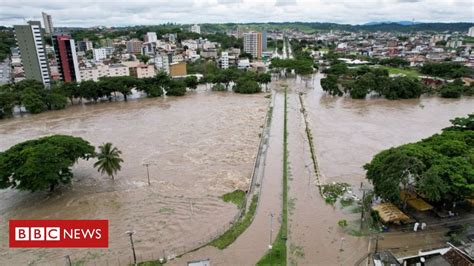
column 253, row 243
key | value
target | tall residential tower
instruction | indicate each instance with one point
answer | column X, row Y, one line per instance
column 253, row 44
column 32, row 52
column 48, row 23
column 65, row 50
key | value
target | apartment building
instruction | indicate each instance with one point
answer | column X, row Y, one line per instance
column 99, row 54
column 224, row 60
column 253, row 44
column 150, row 37
column 100, row 70
column 143, row 71
column 32, row 52
column 85, row 45
column 134, row 46
column 48, row 23
column 162, row 62
column 65, row 50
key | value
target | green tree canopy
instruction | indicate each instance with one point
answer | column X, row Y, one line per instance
column 42, row 163
column 440, row 168
column 108, row 160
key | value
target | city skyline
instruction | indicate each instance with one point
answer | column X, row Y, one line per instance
column 87, row 13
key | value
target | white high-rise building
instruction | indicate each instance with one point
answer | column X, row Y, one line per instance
column 470, row 33
column 253, row 44
column 196, row 28
column 100, row 54
column 151, row 37
column 48, row 23
column 224, row 61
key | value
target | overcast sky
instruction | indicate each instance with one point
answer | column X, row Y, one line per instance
column 149, row 12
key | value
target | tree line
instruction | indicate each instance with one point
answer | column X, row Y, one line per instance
column 36, row 98
column 440, row 168
column 359, row 82
column 220, row 79
column 45, row 163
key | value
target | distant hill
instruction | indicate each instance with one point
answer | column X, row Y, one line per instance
column 404, row 23
column 401, row 26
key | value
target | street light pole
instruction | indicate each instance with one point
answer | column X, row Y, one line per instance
column 342, row 244
column 130, row 234
column 271, row 228
column 271, row 237
column 147, row 173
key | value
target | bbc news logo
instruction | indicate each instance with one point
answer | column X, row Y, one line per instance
column 59, row 233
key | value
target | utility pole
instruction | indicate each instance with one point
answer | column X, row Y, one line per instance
column 130, row 234
column 271, row 236
column 147, row 172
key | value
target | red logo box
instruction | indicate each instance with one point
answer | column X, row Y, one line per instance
column 59, row 233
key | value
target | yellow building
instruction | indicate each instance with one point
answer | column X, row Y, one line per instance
column 143, row 71
column 178, row 69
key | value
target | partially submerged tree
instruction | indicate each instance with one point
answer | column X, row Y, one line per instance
column 42, row 163
column 440, row 168
column 108, row 160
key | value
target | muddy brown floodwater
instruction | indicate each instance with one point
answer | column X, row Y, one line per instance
column 200, row 146
column 347, row 134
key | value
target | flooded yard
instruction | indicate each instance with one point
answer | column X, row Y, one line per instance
column 199, row 147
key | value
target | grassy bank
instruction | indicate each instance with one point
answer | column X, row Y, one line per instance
column 238, row 228
column 407, row 72
column 277, row 255
column 237, row 197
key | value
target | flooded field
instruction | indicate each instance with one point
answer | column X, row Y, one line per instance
column 199, row 146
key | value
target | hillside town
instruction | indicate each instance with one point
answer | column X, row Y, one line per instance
column 62, row 58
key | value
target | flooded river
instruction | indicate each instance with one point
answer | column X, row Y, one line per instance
column 200, row 146
column 203, row 145
column 347, row 134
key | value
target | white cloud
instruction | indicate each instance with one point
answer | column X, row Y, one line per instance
column 140, row 12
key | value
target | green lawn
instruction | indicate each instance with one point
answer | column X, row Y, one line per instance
column 408, row 72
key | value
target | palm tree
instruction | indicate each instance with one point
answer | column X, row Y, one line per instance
column 108, row 160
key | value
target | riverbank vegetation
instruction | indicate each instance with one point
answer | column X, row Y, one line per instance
column 46, row 162
column 446, row 70
column 441, row 167
column 220, row 79
column 238, row 227
column 362, row 81
column 35, row 98
column 237, row 197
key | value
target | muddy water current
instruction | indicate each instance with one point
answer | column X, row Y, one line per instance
column 199, row 147
column 347, row 134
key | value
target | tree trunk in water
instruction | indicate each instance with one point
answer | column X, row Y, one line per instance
column 51, row 187
column 125, row 97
